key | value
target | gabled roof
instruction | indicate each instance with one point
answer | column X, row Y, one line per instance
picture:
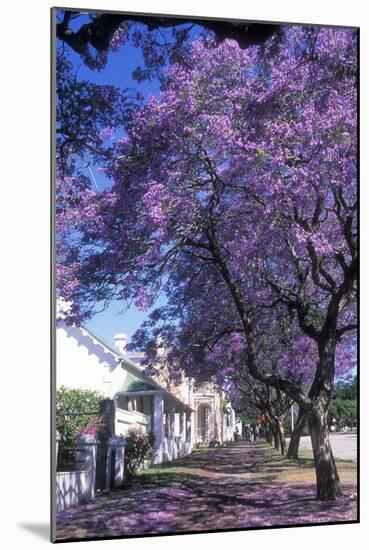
column 136, row 380
column 124, row 359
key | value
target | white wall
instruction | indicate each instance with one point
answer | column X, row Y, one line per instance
column 71, row 489
column 83, row 363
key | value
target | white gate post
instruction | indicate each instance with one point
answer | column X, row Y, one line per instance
column 57, row 439
column 88, row 444
column 118, row 444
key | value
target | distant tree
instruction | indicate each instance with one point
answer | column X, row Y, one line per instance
column 269, row 402
column 345, row 389
column 344, row 411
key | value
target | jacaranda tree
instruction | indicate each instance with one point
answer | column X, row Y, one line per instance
column 235, row 195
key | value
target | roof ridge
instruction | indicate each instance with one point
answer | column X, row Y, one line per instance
column 132, row 365
column 123, row 357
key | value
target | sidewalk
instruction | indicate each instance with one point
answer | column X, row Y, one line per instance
column 242, row 486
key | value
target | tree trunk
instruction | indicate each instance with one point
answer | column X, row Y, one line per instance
column 293, row 447
column 268, row 434
column 282, row 438
column 327, row 478
column 276, row 436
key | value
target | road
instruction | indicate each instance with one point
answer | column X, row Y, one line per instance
column 344, row 445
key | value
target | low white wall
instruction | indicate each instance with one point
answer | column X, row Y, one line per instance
column 71, row 489
column 77, row 486
column 175, row 447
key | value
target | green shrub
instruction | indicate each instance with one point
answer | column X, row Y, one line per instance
column 138, row 448
column 76, row 411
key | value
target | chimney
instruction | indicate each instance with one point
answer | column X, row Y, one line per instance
column 160, row 346
column 121, row 341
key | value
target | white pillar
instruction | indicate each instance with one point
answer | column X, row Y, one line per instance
column 88, row 444
column 183, row 426
column 171, row 441
column 158, row 428
column 233, row 424
column 172, row 422
column 117, row 444
column 182, row 434
column 188, row 427
column 57, row 439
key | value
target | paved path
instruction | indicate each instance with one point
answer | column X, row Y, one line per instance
column 240, row 486
column 344, row 445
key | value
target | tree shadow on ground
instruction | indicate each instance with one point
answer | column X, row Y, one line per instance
column 165, row 499
column 202, row 506
column 240, row 458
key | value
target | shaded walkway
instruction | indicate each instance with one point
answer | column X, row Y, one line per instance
column 241, row 486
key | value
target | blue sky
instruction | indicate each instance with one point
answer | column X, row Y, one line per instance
column 117, row 72
column 112, row 320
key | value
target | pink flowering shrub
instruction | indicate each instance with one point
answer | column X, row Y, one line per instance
column 91, row 427
column 138, row 449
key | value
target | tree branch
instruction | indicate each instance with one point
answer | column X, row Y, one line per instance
column 99, row 32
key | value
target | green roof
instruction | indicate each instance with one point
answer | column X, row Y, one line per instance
column 134, row 383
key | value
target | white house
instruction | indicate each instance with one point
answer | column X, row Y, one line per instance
column 213, row 418
column 179, row 415
column 83, row 360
